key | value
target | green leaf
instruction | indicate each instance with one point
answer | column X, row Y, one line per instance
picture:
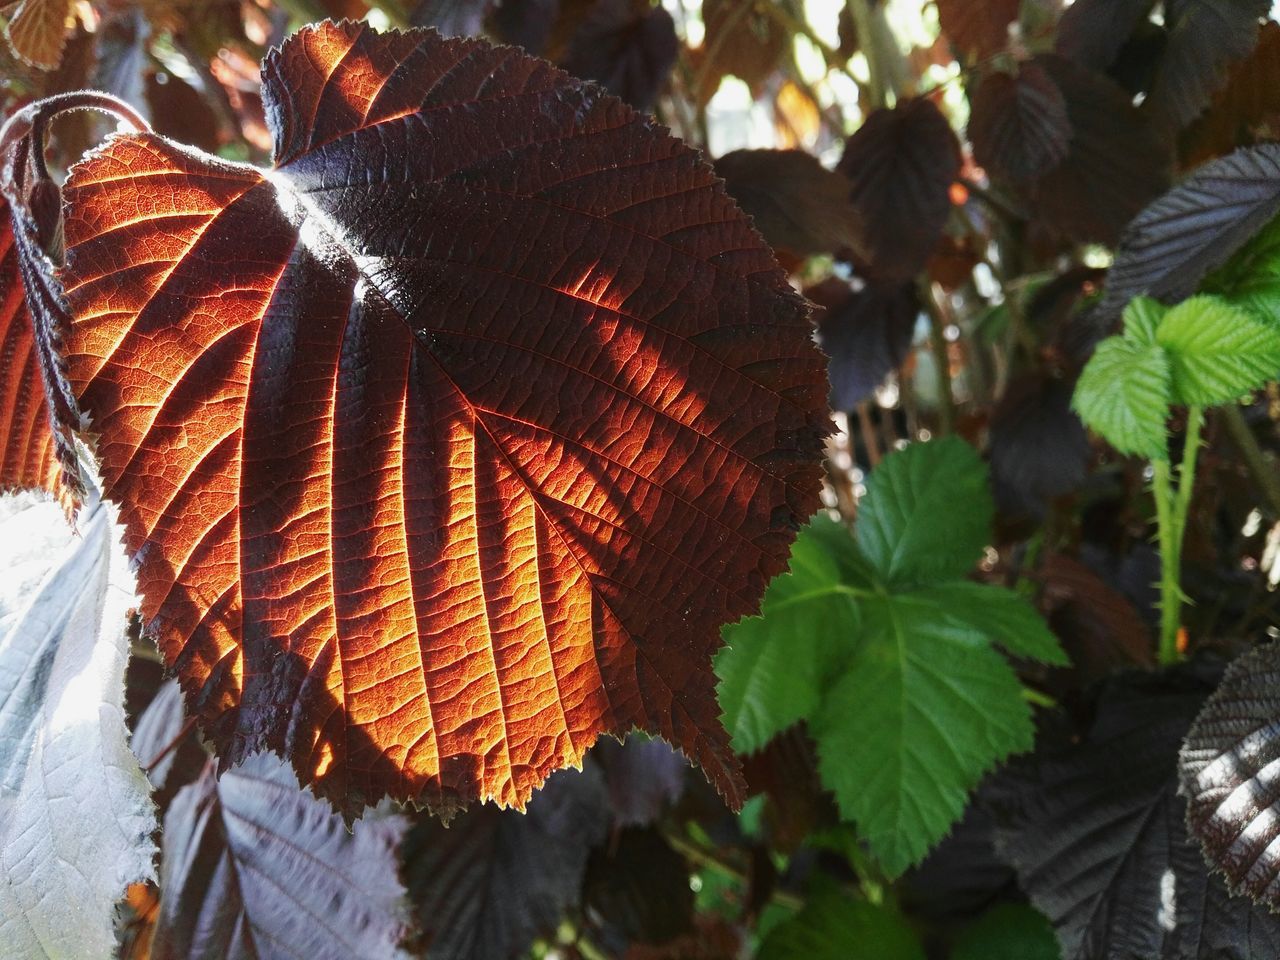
column 1251, row 279
column 1124, row 395
column 927, row 513
column 1010, row 931
column 833, row 927
column 924, row 709
column 1217, row 351
column 1141, row 318
column 1001, row 615
column 776, row 665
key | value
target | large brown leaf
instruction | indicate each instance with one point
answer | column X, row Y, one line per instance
column 449, row 443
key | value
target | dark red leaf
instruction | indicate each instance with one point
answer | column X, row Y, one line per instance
column 525, row 23
column 27, row 458
column 1247, row 109
column 741, row 39
column 977, row 28
column 449, row 443
column 637, row 891
column 901, row 164
column 1100, row 628
column 1115, row 165
column 1092, row 32
column 627, row 47
column 1039, row 448
column 36, row 329
column 182, row 112
column 798, row 205
column 253, row 867
column 644, row 777
column 1205, row 37
column 866, row 333
column 1018, row 125
column 485, row 886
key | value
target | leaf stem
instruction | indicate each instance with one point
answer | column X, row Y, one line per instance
column 1172, row 508
column 1170, row 591
column 941, row 358
column 712, row 860
column 1262, row 473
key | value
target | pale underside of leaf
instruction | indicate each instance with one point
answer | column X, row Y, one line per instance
column 75, row 812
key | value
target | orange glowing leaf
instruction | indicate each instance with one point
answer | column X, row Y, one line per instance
column 27, row 452
column 448, row 444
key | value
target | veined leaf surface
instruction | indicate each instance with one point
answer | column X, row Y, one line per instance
column 26, row 441
column 447, row 444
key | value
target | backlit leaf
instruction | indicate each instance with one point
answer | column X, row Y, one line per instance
column 486, row 885
column 977, row 28
column 447, row 444
column 253, row 867
column 741, row 39
column 1217, row 352
column 31, row 229
column 75, row 811
column 26, row 441
column 1195, row 227
column 901, row 164
column 37, row 31
column 906, row 528
column 1019, row 125
column 1124, row 394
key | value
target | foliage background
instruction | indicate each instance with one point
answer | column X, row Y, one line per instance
column 948, row 182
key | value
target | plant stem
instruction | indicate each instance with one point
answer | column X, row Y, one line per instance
column 941, row 358
column 1187, row 473
column 1262, row 473
column 1172, row 508
column 1170, row 591
column 712, row 860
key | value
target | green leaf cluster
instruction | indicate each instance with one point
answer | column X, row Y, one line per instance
column 888, row 653
column 1205, row 351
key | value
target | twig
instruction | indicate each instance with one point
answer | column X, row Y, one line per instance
column 1261, row 472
